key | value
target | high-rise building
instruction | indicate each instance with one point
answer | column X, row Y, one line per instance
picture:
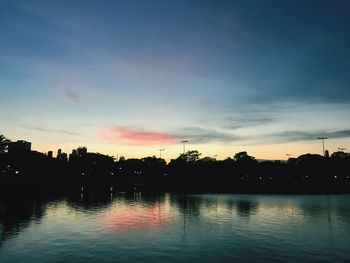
column 59, row 153
column 50, row 154
column 73, row 155
column 81, row 151
column 63, row 157
column 19, row 147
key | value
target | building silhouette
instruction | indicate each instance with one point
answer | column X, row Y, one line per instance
column 81, row 151
column 63, row 157
column 19, row 146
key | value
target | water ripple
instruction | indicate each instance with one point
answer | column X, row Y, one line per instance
column 176, row 228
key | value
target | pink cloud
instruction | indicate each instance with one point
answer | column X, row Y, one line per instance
column 131, row 135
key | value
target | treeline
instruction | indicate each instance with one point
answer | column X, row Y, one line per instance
column 242, row 173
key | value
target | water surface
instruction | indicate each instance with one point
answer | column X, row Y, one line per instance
column 120, row 227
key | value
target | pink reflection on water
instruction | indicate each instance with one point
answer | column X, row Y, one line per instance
column 128, row 217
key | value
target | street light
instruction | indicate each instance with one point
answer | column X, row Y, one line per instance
column 288, row 155
column 160, row 153
column 341, row 149
column 183, row 144
column 322, row 138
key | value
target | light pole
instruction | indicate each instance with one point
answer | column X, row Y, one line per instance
column 322, row 138
column 183, row 145
column 160, row 153
column 288, row 155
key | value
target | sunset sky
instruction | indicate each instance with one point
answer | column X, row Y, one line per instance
column 131, row 77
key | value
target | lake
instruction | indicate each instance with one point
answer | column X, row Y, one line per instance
column 137, row 227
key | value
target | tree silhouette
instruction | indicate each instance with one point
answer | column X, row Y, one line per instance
column 4, row 142
column 308, row 173
column 340, row 155
column 243, row 157
column 191, row 156
column 207, row 159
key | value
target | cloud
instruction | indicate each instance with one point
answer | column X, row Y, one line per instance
column 290, row 136
column 238, row 122
column 204, row 135
column 140, row 136
column 135, row 136
column 72, row 95
column 41, row 129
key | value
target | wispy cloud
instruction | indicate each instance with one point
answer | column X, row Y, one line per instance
column 290, row 136
column 238, row 122
column 41, row 129
column 140, row 136
column 134, row 136
column 204, row 135
column 72, row 95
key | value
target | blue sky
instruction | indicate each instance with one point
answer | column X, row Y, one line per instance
column 130, row 77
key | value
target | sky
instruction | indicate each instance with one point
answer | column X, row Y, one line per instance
column 127, row 78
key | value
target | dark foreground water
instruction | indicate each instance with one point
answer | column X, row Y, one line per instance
column 176, row 228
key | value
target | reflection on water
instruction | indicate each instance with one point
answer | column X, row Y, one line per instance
column 109, row 227
column 245, row 208
column 17, row 215
column 137, row 213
